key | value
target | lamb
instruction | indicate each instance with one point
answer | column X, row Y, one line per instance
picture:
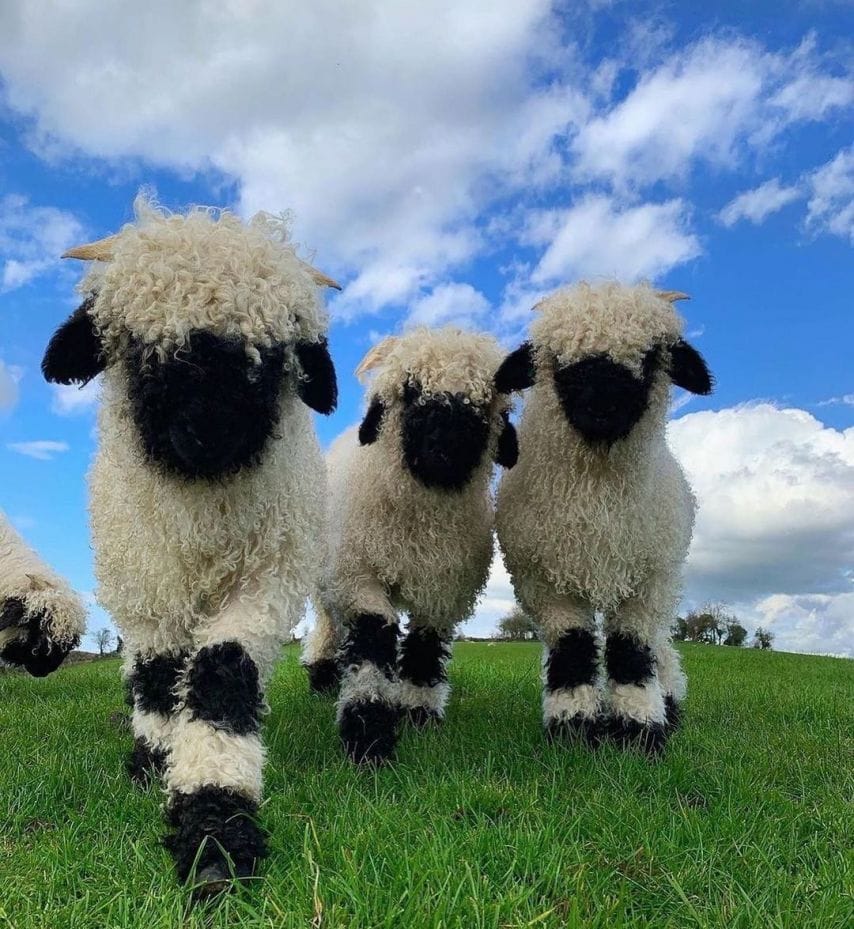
column 41, row 618
column 597, row 515
column 207, row 497
column 411, row 529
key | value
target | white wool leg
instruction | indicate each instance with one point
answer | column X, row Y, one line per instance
column 323, row 639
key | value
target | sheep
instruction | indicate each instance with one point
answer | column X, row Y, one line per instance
column 411, row 528
column 598, row 515
column 207, row 497
column 41, row 618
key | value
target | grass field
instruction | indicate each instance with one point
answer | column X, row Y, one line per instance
column 747, row 822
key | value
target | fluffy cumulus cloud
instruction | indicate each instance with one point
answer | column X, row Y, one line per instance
column 31, row 239
column 758, row 204
column 8, row 388
column 449, row 304
column 391, row 128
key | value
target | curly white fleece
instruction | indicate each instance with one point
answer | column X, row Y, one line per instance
column 576, row 522
column 395, row 544
column 25, row 576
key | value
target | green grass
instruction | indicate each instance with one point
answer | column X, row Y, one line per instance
column 745, row 823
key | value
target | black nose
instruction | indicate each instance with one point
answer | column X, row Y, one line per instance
column 602, row 399
column 444, row 439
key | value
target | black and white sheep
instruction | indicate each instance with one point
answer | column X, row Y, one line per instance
column 41, row 618
column 597, row 515
column 411, row 529
column 207, row 496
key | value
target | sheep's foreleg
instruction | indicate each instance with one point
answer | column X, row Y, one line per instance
column 320, row 651
column 571, row 693
column 367, row 710
column 636, row 689
column 424, row 689
column 152, row 679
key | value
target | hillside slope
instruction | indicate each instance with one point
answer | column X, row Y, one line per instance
column 745, row 823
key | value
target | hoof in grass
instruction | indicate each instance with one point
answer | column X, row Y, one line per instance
column 369, row 731
column 145, row 764
column 323, row 676
column 213, row 880
column 672, row 714
column 578, row 728
column 650, row 738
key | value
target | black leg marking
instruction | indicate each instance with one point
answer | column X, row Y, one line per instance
column 368, row 724
column 424, row 655
column 145, row 764
column 672, row 714
column 629, row 733
column 223, row 688
column 578, row 728
column 152, row 682
column 34, row 650
column 628, row 660
column 573, row 661
column 324, row 676
column 214, row 837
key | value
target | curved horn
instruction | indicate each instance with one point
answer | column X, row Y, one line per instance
column 102, row 250
column 319, row 277
column 376, row 356
column 672, row 295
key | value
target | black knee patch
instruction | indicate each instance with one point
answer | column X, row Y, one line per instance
column 573, row 661
column 628, row 660
column 371, row 638
column 223, row 688
column 422, row 657
column 214, row 829
column 33, row 650
column 145, row 763
column 152, row 682
column 323, row 676
column 368, row 731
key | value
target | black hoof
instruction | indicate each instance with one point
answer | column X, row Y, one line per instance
column 145, row 764
column 214, row 833
column 672, row 714
column 578, row 728
column 210, row 882
column 649, row 738
column 323, row 676
column 421, row 717
column 369, row 731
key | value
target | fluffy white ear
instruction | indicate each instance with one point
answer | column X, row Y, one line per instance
column 376, row 356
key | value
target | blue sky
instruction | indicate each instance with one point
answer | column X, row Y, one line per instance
column 452, row 163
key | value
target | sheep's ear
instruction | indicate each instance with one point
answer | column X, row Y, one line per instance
column 74, row 354
column 370, row 428
column 318, row 386
column 507, row 453
column 516, row 371
column 688, row 370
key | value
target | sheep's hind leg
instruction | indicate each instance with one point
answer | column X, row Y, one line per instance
column 424, row 689
column 571, row 691
column 151, row 681
column 673, row 683
column 214, row 769
column 367, row 704
column 320, row 652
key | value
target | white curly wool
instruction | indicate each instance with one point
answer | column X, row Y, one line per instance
column 24, row 576
column 588, row 527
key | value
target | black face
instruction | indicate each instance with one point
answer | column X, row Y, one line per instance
column 603, row 400
column 444, row 438
column 208, row 411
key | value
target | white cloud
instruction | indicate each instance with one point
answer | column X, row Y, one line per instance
column 710, row 102
column 758, row 204
column 8, row 388
column 776, row 510
column 844, row 400
column 31, row 239
column 831, row 205
column 449, row 304
column 70, row 400
column 598, row 237
column 818, row 623
column 42, row 449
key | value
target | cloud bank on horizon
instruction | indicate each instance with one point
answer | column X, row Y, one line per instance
column 450, row 163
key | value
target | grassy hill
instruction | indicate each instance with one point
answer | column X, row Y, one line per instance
column 745, row 823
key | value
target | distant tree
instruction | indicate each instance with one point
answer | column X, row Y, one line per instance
column 517, row 627
column 103, row 639
column 701, row 626
column 679, row 630
column 735, row 634
column 762, row 638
